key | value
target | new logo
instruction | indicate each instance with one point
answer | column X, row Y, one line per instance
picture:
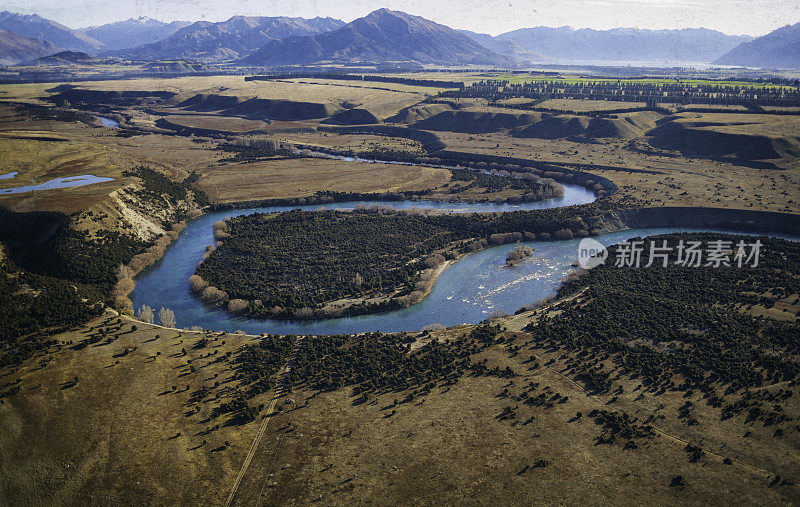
column 591, row 253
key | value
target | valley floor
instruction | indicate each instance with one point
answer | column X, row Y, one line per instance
column 120, row 411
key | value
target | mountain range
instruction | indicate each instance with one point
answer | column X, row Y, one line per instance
column 37, row 27
column 15, row 48
column 235, row 38
column 779, row 48
column 625, row 44
column 381, row 36
column 132, row 32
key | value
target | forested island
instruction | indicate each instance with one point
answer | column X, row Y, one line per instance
column 327, row 264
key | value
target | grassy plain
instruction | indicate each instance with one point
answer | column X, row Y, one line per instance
column 216, row 122
column 28, row 91
column 452, row 447
column 575, row 105
column 382, row 102
column 129, row 432
column 671, row 180
column 272, row 179
column 41, row 150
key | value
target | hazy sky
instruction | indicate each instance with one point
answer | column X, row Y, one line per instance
column 753, row 17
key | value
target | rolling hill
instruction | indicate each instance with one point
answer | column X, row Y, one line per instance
column 37, row 27
column 235, row 38
column 779, row 48
column 381, row 36
column 133, row 32
column 15, row 48
column 625, row 44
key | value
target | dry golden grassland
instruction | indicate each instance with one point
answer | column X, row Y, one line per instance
column 679, row 181
column 767, row 125
column 41, row 150
column 382, row 103
column 215, row 122
column 452, row 446
column 272, row 179
column 356, row 142
column 39, row 156
column 27, row 92
column 129, row 433
column 586, row 105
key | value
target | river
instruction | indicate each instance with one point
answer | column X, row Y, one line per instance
column 466, row 292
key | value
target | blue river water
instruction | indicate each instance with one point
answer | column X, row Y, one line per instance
column 108, row 122
column 468, row 291
column 66, row 182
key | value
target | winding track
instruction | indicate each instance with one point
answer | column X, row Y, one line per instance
column 280, row 389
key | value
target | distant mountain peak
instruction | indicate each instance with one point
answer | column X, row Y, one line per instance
column 236, row 37
column 37, row 27
column 777, row 49
column 382, row 35
column 133, row 32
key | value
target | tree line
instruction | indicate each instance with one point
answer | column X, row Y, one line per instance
column 629, row 91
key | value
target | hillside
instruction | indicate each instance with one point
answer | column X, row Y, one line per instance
column 381, row 36
column 780, row 48
column 133, row 32
column 40, row 28
column 15, row 48
column 625, row 44
column 237, row 37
